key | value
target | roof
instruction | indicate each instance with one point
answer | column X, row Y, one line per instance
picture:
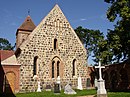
column 4, row 54
column 27, row 25
column 8, row 58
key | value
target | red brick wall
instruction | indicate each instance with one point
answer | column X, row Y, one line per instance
column 16, row 70
column 117, row 76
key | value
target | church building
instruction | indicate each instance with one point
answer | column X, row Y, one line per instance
column 47, row 51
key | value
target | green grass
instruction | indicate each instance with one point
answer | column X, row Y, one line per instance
column 118, row 94
column 79, row 93
column 51, row 94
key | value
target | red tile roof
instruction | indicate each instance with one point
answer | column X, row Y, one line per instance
column 4, row 54
column 27, row 25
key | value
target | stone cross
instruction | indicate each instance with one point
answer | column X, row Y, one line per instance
column 100, row 72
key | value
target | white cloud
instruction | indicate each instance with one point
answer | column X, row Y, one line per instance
column 83, row 19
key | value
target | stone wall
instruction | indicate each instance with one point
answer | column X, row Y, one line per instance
column 41, row 43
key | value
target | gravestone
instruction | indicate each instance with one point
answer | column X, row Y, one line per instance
column 58, row 80
column 101, row 91
column 69, row 90
column 88, row 83
column 96, row 83
column 56, row 88
column 39, row 87
column 48, row 87
column 79, row 83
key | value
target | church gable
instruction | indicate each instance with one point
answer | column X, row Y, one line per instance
column 54, row 23
column 51, row 50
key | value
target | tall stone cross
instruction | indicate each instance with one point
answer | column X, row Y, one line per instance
column 100, row 70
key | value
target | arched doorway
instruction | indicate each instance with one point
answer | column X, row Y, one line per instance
column 9, row 82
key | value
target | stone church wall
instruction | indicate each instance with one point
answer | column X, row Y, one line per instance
column 40, row 43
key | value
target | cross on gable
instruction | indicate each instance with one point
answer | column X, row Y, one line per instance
column 100, row 72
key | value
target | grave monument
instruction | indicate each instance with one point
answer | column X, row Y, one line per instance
column 80, row 84
column 101, row 91
column 69, row 90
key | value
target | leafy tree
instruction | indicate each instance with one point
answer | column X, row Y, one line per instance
column 5, row 45
column 95, row 43
column 119, row 38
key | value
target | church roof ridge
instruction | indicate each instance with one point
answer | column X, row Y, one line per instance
column 27, row 25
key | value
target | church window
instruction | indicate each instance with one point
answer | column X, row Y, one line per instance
column 53, row 69
column 58, row 68
column 35, row 65
column 55, row 44
column 73, row 71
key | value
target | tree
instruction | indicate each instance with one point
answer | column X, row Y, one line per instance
column 5, row 45
column 119, row 38
column 95, row 43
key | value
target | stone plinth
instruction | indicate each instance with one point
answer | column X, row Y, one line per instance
column 39, row 87
column 101, row 92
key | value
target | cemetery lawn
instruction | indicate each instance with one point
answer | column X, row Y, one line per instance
column 51, row 94
column 79, row 94
column 118, row 94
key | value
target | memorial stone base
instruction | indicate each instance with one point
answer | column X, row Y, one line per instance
column 101, row 92
column 101, row 95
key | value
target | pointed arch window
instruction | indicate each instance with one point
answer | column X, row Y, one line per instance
column 55, row 44
column 74, row 67
column 58, row 68
column 35, row 65
column 53, row 69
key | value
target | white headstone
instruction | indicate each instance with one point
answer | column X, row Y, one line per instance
column 58, row 80
column 39, row 87
column 69, row 90
column 79, row 83
column 95, row 83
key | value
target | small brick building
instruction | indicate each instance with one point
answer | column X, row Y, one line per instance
column 9, row 72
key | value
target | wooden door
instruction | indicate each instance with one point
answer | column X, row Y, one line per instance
column 10, row 82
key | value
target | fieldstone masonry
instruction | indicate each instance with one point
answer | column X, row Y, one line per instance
column 53, row 41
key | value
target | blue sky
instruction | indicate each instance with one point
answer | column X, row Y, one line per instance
column 90, row 14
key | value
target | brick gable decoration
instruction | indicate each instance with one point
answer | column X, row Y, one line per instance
column 52, row 49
